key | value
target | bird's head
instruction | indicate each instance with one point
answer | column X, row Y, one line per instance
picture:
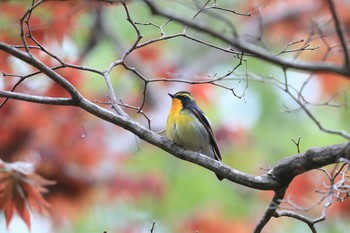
column 183, row 97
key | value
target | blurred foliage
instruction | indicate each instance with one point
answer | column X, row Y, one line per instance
column 109, row 180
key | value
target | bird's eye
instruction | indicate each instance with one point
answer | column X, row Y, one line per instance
column 185, row 98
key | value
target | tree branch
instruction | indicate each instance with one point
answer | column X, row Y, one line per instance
column 270, row 211
column 340, row 32
column 251, row 48
column 300, row 217
column 288, row 168
column 43, row 68
column 280, row 175
column 257, row 182
column 38, row 99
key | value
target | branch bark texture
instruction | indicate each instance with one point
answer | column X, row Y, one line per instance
column 278, row 177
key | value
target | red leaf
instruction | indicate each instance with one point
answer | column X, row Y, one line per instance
column 8, row 213
column 20, row 191
column 23, row 212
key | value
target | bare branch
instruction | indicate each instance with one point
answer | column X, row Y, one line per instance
column 297, row 143
column 138, row 33
column 25, row 19
column 316, row 121
column 38, row 99
column 12, row 89
column 292, row 166
column 279, row 176
column 340, row 32
column 215, row 7
column 332, row 190
column 112, row 95
column 139, row 110
column 305, row 47
column 153, row 225
column 42, row 67
column 271, row 210
column 214, row 15
column 297, row 216
column 251, row 48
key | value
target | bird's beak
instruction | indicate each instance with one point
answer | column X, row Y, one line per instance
column 171, row 95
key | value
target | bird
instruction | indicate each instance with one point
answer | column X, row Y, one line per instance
column 188, row 126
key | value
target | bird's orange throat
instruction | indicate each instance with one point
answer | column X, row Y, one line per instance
column 176, row 106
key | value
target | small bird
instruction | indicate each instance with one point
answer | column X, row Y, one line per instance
column 187, row 126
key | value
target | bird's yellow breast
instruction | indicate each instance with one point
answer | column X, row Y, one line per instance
column 184, row 128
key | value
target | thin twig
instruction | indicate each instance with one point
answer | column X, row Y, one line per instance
column 139, row 110
column 270, row 211
column 297, row 143
column 153, row 225
column 292, row 214
column 25, row 19
column 248, row 47
column 38, row 99
column 340, row 32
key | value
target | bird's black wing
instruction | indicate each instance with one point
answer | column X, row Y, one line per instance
column 204, row 120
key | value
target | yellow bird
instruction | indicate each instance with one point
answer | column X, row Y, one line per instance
column 187, row 126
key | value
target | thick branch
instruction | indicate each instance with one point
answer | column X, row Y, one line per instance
column 250, row 48
column 279, row 176
column 276, row 179
column 256, row 182
column 286, row 169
